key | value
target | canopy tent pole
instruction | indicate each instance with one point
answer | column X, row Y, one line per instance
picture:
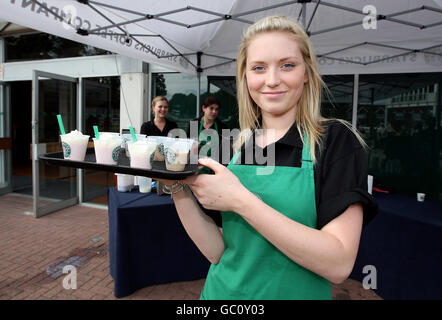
column 304, row 15
column 313, row 15
column 198, row 75
column 149, row 95
column 354, row 119
column 198, row 92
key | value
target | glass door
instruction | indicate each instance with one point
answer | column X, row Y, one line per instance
column 5, row 142
column 54, row 187
column 100, row 108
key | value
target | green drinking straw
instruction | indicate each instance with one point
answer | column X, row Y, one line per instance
column 132, row 132
column 97, row 135
column 60, row 123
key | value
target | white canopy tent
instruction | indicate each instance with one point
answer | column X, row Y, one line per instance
column 202, row 37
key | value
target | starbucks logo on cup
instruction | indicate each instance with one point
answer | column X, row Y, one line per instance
column 151, row 158
column 161, row 149
column 115, row 153
column 170, row 156
column 66, row 149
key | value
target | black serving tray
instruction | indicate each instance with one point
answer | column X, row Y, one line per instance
column 158, row 170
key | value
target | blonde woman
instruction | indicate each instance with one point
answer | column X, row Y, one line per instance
column 160, row 125
column 289, row 234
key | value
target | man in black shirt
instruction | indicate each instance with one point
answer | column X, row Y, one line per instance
column 208, row 121
column 209, row 118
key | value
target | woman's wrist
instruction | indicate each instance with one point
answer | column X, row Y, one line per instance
column 244, row 202
column 182, row 193
column 173, row 188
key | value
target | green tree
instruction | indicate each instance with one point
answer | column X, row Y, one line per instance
column 160, row 85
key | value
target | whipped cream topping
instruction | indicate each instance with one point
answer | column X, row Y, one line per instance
column 109, row 140
column 75, row 133
column 74, row 136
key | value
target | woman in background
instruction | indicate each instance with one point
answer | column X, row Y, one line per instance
column 160, row 125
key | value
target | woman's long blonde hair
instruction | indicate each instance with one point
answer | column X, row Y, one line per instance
column 308, row 116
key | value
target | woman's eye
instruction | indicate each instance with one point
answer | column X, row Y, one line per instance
column 288, row 65
column 258, row 68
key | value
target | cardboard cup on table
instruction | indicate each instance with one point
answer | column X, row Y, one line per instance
column 370, row 184
column 145, row 184
column 125, row 182
column 420, row 197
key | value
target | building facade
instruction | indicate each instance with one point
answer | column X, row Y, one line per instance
column 399, row 115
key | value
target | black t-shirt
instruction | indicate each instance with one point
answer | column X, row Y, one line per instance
column 193, row 134
column 340, row 172
column 150, row 129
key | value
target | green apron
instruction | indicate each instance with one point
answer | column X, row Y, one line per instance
column 253, row 268
column 203, row 141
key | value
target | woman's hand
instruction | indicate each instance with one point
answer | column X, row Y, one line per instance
column 220, row 191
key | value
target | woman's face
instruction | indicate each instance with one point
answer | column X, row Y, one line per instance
column 161, row 108
column 275, row 73
column 211, row 111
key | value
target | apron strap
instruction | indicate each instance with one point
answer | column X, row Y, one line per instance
column 306, row 156
column 235, row 158
column 208, row 139
column 201, row 126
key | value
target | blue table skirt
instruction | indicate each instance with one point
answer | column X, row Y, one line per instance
column 404, row 244
column 148, row 244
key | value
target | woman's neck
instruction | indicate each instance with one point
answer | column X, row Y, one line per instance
column 274, row 128
column 207, row 123
column 159, row 120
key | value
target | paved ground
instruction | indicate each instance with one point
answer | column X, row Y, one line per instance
column 33, row 253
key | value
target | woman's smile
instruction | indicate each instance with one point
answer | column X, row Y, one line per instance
column 273, row 94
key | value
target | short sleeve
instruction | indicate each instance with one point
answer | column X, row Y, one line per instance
column 343, row 177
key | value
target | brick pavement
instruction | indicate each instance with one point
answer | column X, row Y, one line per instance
column 34, row 251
